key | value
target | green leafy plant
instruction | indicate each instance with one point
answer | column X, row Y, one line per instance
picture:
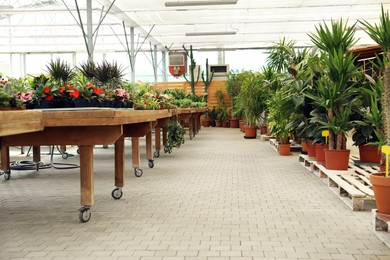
column 175, row 138
column 207, row 78
column 60, row 71
column 192, row 70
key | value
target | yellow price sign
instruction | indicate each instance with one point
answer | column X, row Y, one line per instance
column 386, row 151
column 325, row 133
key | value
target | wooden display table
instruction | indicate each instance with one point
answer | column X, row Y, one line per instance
column 85, row 128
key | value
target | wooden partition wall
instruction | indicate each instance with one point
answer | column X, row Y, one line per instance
column 199, row 90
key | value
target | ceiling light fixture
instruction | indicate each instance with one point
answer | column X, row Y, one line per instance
column 197, row 3
column 210, row 33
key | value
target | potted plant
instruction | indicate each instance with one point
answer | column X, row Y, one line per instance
column 233, row 85
column 336, row 91
column 380, row 34
column 253, row 99
column 206, row 120
column 278, row 118
column 370, row 123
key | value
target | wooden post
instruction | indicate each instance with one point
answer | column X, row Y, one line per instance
column 86, row 175
column 37, row 154
column 135, row 151
column 165, row 135
column 149, row 146
column 157, row 138
column 5, row 158
column 191, row 126
column 119, row 162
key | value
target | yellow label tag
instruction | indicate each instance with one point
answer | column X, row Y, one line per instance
column 386, row 149
column 325, row 133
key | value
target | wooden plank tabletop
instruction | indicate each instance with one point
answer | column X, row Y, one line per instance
column 20, row 121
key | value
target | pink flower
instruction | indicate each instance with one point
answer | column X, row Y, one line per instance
column 120, row 92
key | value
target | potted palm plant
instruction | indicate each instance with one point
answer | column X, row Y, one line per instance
column 253, row 100
column 279, row 113
column 380, row 33
column 336, row 91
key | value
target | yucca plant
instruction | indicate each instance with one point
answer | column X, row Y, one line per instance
column 109, row 74
column 60, row 71
column 88, row 69
column 380, row 33
column 336, row 89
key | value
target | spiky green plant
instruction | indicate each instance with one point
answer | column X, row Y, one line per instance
column 207, row 78
column 280, row 55
column 380, row 33
column 192, row 70
column 109, row 74
column 60, row 71
column 336, row 88
column 87, row 69
column 339, row 36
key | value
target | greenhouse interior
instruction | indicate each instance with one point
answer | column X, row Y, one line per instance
column 194, row 129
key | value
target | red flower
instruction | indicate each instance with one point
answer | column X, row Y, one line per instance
column 48, row 98
column 145, row 102
column 75, row 93
column 98, row 91
column 46, row 89
column 70, row 87
column 90, row 85
column 62, row 89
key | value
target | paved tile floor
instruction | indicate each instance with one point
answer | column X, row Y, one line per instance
column 217, row 197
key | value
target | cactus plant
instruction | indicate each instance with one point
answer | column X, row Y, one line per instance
column 192, row 69
column 207, row 79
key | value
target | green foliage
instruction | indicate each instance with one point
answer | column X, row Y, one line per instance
column 175, row 138
column 192, row 68
column 338, row 37
column 87, row 69
column 380, row 33
column 60, row 71
column 280, row 55
column 207, row 78
column 109, row 74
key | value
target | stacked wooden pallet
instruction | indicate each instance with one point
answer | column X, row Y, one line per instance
column 353, row 186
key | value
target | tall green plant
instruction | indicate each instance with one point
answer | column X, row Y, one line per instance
column 60, row 71
column 336, row 89
column 192, row 68
column 207, row 78
column 380, row 33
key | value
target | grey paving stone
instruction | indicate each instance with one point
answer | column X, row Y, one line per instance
column 217, row 197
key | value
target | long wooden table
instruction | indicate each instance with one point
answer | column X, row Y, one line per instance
column 85, row 128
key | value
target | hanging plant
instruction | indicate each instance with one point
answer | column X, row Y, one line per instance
column 175, row 136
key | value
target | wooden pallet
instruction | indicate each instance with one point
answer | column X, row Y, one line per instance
column 380, row 226
column 274, row 144
column 266, row 137
column 353, row 186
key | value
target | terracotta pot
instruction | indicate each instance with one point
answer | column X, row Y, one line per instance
column 242, row 125
column 311, row 150
column 320, row 154
column 218, row 123
column 381, row 187
column 225, row 123
column 337, row 159
column 234, row 123
column 206, row 122
column 263, row 129
column 250, row 131
column 304, row 147
column 284, row 149
column 369, row 154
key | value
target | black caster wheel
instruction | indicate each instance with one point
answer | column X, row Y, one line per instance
column 7, row 176
column 85, row 214
column 156, row 154
column 105, row 146
column 151, row 164
column 117, row 193
column 138, row 172
column 78, row 151
column 65, row 155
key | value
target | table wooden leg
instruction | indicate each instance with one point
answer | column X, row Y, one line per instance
column 165, row 135
column 135, row 151
column 86, row 175
column 191, row 127
column 36, row 154
column 5, row 158
column 149, row 146
column 157, row 138
column 119, row 162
